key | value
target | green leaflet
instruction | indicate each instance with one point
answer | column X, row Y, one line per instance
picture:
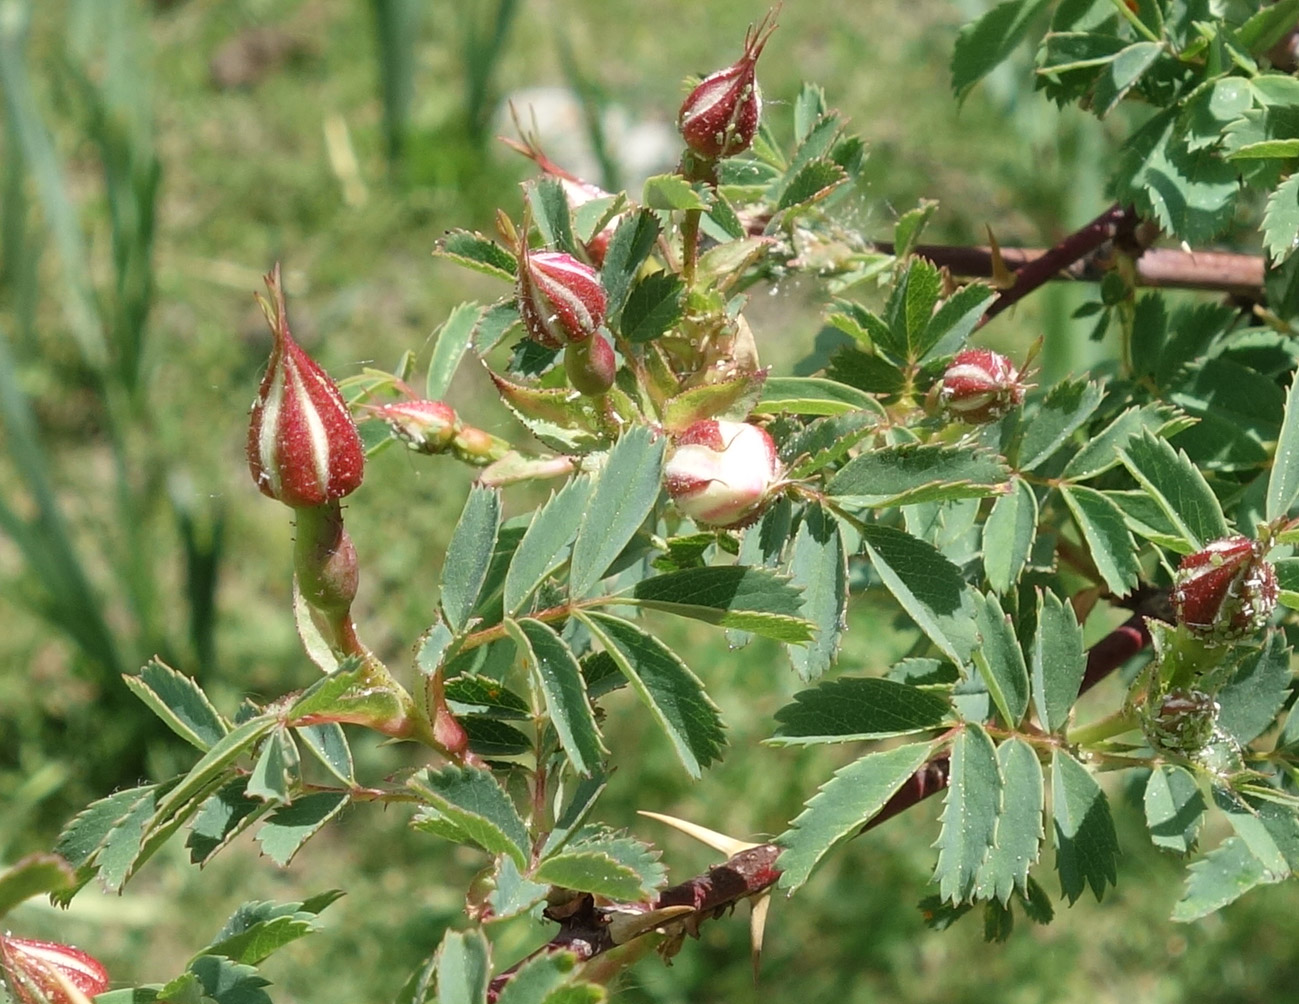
column 911, row 473
column 1086, row 847
column 853, row 709
column 468, row 555
column 1283, row 481
column 464, row 967
column 1177, row 487
column 605, row 865
column 624, row 493
column 1000, row 660
column 1008, row 535
column 180, row 702
column 1222, row 876
column 477, row 806
column 453, row 340
column 1108, row 539
column 1058, row 661
column 842, row 806
column 759, row 600
column 818, row 565
column 1174, row 808
column 547, row 542
column 969, row 814
column 1018, row 837
column 560, row 679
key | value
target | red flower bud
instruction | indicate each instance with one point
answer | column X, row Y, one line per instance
column 720, row 117
column 722, row 473
column 303, row 447
column 561, row 299
column 35, row 970
column 425, row 426
column 591, row 366
column 980, row 386
column 1226, row 590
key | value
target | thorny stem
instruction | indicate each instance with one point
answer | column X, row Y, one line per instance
column 585, row 928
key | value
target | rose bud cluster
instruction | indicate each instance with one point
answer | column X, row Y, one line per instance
column 1225, row 591
column 719, row 118
column 561, row 299
column 303, row 447
column 39, row 972
column 722, row 473
column 980, row 386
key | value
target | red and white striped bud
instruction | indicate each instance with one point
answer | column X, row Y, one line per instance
column 39, row 972
column 303, row 447
column 980, row 386
column 1225, row 591
column 720, row 116
column 722, row 473
column 561, row 299
column 424, row 426
column 591, row 366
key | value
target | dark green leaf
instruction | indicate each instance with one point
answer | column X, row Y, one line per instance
column 464, row 967
column 1000, row 660
column 865, row 371
column 547, row 543
column 1019, row 833
column 842, row 806
column 1107, row 537
column 560, row 679
column 328, row 744
column 513, row 894
column 911, row 473
column 1145, row 518
column 826, row 441
column 1178, row 487
column 813, row 396
column 1086, row 847
column 1239, row 410
column 811, row 183
column 580, row 804
column 969, row 814
column 953, row 321
column 760, row 600
column 259, row 929
column 672, row 694
column 291, row 826
column 818, row 566
column 1222, row 876
column 277, row 770
column 225, row 814
column 88, row 830
column 853, row 709
column 1123, row 73
column 453, row 340
column 1287, row 577
column 1058, row 661
column 472, row 801
column 551, row 214
column 653, row 305
column 468, row 555
column 213, row 764
column 1102, row 450
column 984, row 43
column 625, row 492
column 482, row 695
column 619, row 868
column 1283, row 480
column 1008, row 535
column 224, row 982
column 910, row 225
column 628, row 248
column 1062, row 412
column 477, row 252
column 1265, row 27
column 490, row 738
column 1174, row 808
column 929, row 587
column 178, row 701
column 1251, row 700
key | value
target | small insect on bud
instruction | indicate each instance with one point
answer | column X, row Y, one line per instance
column 1225, row 591
column 39, row 972
column 561, row 299
column 591, row 366
column 980, row 386
column 720, row 117
column 303, row 447
column 424, row 426
column 722, row 473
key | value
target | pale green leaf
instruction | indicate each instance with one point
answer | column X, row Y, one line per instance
column 969, row 814
column 463, row 967
column 818, row 566
column 560, row 680
column 291, row 826
column 1018, row 838
column 1178, row 487
column 619, row 868
column 911, row 473
column 1000, row 660
column 469, row 554
column 1008, row 535
column 1108, row 539
column 180, row 703
column 453, row 340
column 1175, row 808
column 1222, row 876
column 547, row 543
column 1062, row 412
column 759, row 600
column 1283, row 479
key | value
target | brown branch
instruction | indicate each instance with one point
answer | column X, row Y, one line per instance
column 1239, row 275
column 588, row 930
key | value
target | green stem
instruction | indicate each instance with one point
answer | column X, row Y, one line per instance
column 1123, row 720
column 690, row 245
column 1130, row 16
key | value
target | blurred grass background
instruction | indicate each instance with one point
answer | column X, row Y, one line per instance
column 157, row 157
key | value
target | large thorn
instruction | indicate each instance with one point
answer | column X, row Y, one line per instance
column 730, row 846
column 758, row 907
column 623, row 926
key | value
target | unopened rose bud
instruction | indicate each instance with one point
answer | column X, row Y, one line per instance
column 1183, row 721
column 722, row 473
column 35, row 971
column 303, row 447
column 591, row 366
column 561, row 299
column 425, row 426
column 720, row 117
column 1226, row 590
column 980, row 386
